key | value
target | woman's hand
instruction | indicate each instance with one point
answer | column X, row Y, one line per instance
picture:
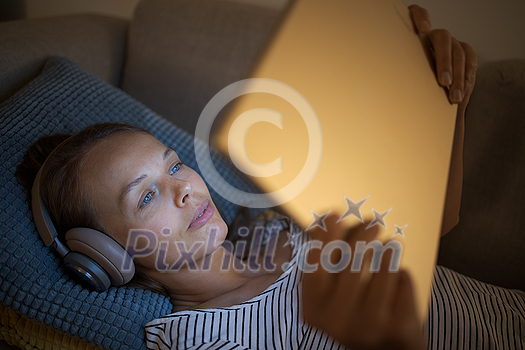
column 456, row 61
column 361, row 311
column 456, row 65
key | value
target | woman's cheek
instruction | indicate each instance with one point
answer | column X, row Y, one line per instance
column 216, row 236
column 168, row 256
column 173, row 254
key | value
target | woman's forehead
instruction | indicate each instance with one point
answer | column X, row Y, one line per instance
column 129, row 144
column 122, row 153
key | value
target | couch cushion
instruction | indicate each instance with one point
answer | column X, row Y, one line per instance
column 64, row 99
column 488, row 242
column 200, row 47
column 95, row 42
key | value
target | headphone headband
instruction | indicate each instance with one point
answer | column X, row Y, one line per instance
column 47, row 232
column 43, row 222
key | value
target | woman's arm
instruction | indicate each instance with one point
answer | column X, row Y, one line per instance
column 456, row 64
column 455, row 179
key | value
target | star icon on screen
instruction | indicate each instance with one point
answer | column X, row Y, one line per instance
column 379, row 218
column 318, row 220
column 353, row 209
column 399, row 231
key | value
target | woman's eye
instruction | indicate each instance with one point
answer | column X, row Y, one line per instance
column 175, row 168
column 147, row 199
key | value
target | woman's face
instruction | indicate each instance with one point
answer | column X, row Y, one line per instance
column 137, row 183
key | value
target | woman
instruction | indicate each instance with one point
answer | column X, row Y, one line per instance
column 116, row 178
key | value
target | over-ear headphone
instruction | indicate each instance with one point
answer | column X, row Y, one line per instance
column 92, row 256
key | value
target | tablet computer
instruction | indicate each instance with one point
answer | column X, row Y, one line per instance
column 344, row 113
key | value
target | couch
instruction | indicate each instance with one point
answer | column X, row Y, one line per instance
column 174, row 55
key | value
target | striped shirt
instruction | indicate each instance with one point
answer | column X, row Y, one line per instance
column 467, row 314
column 463, row 313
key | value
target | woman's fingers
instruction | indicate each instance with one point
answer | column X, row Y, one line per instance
column 457, row 89
column 471, row 67
column 353, row 285
column 381, row 290
column 456, row 62
column 353, row 281
column 320, row 286
column 421, row 19
column 471, row 63
column 316, row 281
column 442, row 45
column 404, row 306
column 404, row 311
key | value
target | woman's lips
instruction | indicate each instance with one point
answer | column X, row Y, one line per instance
column 202, row 214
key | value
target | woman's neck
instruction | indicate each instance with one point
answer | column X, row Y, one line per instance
column 239, row 291
column 222, row 284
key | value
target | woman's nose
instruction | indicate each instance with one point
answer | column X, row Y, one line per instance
column 181, row 191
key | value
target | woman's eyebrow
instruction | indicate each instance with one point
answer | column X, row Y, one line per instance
column 137, row 181
column 167, row 153
column 130, row 186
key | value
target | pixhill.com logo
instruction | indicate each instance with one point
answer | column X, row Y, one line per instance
column 257, row 252
column 345, row 250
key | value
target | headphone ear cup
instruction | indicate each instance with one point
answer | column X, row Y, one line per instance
column 87, row 271
column 104, row 251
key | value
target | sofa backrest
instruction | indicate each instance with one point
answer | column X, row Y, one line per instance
column 95, row 42
column 181, row 53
